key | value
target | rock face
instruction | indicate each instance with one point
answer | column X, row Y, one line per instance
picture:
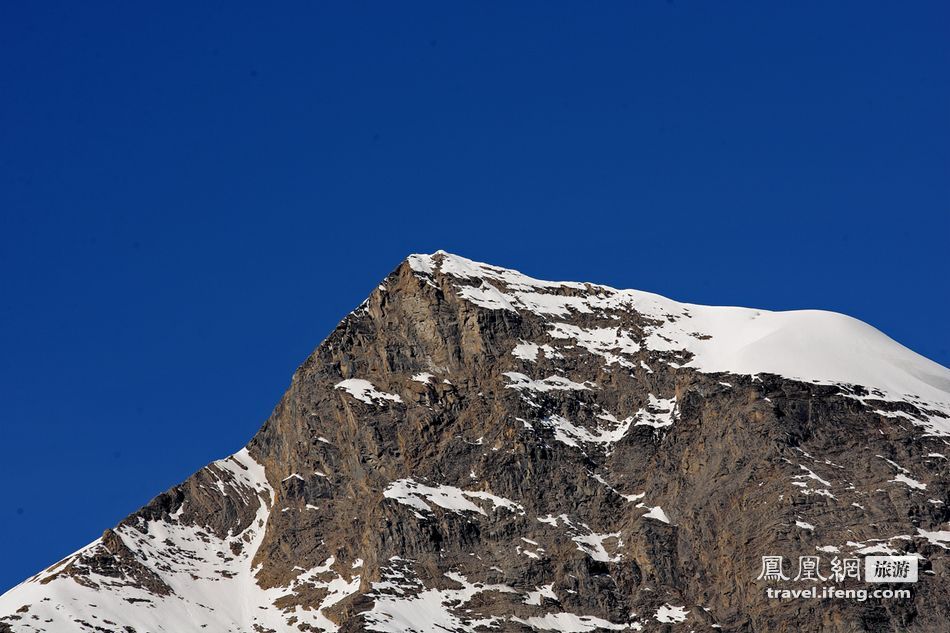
column 473, row 449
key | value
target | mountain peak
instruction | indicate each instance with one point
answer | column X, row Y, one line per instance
column 810, row 345
column 474, row 449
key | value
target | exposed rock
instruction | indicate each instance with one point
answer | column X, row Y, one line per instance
column 475, row 450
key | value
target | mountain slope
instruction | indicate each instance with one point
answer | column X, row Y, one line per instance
column 474, row 449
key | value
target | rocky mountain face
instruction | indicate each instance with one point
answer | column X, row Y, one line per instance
column 476, row 450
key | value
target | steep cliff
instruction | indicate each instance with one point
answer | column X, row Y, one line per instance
column 473, row 449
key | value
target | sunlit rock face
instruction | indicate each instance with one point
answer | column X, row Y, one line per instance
column 475, row 450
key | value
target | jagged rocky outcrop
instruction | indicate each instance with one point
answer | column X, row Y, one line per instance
column 473, row 449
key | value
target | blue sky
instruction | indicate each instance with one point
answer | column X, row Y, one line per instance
column 191, row 197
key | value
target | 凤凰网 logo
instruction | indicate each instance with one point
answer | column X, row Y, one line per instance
column 813, row 569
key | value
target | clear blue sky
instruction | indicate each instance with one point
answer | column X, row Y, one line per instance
column 192, row 196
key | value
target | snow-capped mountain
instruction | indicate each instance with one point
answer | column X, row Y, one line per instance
column 473, row 449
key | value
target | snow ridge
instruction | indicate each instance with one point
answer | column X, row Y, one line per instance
column 815, row 346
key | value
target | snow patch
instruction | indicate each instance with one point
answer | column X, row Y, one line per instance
column 551, row 383
column 535, row 597
column 656, row 512
column 568, row 433
column 418, row 496
column 403, row 604
column 907, row 481
column 607, row 342
column 659, row 413
column 364, row 391
column 669, row 613
column 937, row 537
column 529, row 351
column 572, row 623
